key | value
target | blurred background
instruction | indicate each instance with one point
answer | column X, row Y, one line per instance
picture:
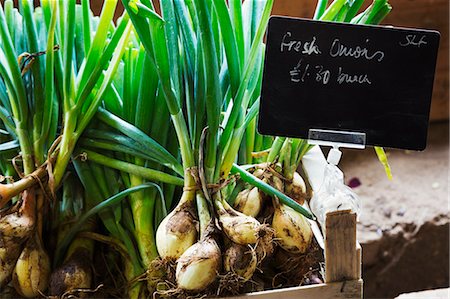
column 404, row 226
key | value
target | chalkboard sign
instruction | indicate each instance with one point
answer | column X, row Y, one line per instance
column 334, row 76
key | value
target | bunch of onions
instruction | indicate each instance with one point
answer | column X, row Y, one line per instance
column 49, row 88
column 219, row 73
column 276, row 160
column 177, row 236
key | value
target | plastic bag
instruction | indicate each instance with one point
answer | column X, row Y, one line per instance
column 333, row 195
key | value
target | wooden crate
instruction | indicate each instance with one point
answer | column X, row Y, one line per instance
column 342, row 265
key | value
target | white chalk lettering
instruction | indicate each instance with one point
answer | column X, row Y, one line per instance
column 350, row 79
column 338, row 49
column 413, row 40
column 296, row 45
column 309, row 47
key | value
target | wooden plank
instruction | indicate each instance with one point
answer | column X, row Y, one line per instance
column 358, row 260
column 341, row 261
column 347, row 289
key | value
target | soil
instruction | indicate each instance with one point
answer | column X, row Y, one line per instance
column 404, row 224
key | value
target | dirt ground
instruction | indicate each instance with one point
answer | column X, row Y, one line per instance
column 404, row 224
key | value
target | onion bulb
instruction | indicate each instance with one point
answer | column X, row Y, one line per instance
column 15, row 229
column 198, row 266
column 292, row 230
column 238, row 227
column 177, row 232
column 32, row 271
column 241, row 260
column 249, row 202
column 74, row 273
column 297, row 188
column 277, row 183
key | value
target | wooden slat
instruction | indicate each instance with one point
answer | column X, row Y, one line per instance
column 347, row 289
column 358, row 260
column 341, row 259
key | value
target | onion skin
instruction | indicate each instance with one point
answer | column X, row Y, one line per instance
column 238, row 227
column 74, row 273
column 277, row 183
column 297, row 189
column 249, row 202
column 292, row 230
column 199, row 265
column 15, row 229
column 32, row 271
column 241, row 260
column 177, row 232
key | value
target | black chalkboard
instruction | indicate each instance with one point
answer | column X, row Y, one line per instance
column 371, row 79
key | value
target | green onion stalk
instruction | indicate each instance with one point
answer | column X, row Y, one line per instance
column 87, row 94
column 75, row 85
column 102, row 183
column 140, row 155
column 121, row 92
column 82, row 91
column 178, row 228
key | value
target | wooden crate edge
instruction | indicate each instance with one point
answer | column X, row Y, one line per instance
column 342, row 289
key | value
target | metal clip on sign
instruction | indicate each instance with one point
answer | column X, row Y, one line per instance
column 333, row 194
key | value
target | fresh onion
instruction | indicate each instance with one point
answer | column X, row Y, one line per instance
column 249, row 202
column 240, row 260
column 292, row 230
column 32, row 271
column 199, row 265
column 177, row 232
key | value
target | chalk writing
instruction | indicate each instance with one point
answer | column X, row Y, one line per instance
column 352, row 78
column 322, row 74
column 338, row 49
column 413, row 40
column 309, row 47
